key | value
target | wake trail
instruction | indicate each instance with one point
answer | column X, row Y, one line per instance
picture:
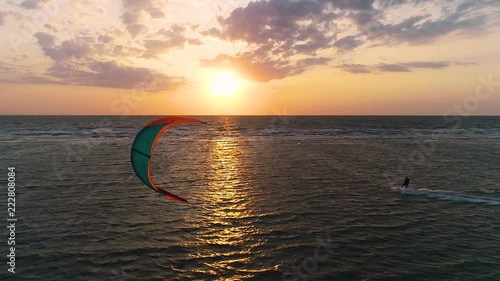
column 447, row 195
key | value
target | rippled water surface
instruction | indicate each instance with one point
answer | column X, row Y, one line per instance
column 272, row 198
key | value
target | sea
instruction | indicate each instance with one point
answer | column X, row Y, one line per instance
column 270, row 198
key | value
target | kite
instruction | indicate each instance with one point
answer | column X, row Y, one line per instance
column 144, row 144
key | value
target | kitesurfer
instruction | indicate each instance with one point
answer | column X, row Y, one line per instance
column 406, row 183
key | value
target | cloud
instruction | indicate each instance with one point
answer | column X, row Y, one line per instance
column 424, row 27
column 110, row 74
column 263, row 70
column 355, row 68
column 77, row 48
column 6, row 14
column 33, row 4
column 12, row 73
column 427, row 64
column 468, row 5
column 105, row 38
column 278, row 23
column 136, row 29
column 408, row 67
column 85, row 60
column 304, row 64
column 286, row 34
column 3, row 15
column 51, row 27
column 422, row 30
column 83, row 46
column 174, row 38
column 348, row 43
column 45, row 40
column 136, row 12
column 283, row 32
column 465, row 63
column 392, row 67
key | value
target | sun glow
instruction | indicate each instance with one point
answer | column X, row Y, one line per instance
column 225, row 84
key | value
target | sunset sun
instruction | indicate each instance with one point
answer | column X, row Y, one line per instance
column 225, row 84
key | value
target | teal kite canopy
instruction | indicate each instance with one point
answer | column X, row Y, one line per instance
column 143, row 146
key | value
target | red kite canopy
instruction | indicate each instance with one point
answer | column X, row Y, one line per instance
column 142, row 149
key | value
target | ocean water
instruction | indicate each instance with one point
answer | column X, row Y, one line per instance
column 271, row 198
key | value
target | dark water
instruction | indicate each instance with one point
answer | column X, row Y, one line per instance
column 273, row 198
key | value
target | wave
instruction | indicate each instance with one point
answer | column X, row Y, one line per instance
column 448, row 195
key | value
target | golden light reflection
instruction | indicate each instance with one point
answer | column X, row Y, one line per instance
column 227, row 242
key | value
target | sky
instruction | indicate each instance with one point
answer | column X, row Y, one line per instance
column 241, row 57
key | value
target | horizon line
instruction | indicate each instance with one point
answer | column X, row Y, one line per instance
column 249, row 115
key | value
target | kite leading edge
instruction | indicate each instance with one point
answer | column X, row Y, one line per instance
column 143, row 147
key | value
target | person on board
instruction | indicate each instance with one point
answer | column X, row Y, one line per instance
column 406, row 183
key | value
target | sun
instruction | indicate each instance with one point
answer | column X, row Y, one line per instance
column 225, row 84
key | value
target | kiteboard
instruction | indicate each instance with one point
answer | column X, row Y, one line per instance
column 401, row 190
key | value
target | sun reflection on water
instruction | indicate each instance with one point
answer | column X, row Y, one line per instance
column 227, row 241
